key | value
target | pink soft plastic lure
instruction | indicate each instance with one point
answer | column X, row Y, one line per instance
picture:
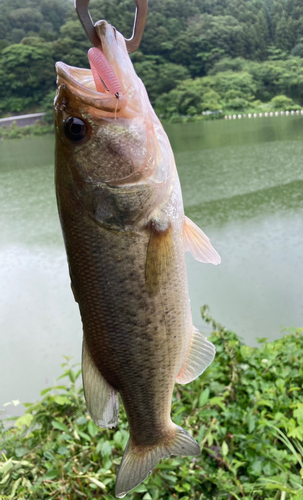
column 104, row 77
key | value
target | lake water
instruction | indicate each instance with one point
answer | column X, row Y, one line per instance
column 242, row 184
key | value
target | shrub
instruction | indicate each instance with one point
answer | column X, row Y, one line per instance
column 15, row 132
column 47, row 106
column 211, row 101
column 246, row 411
column 281, row 102
column 297, row 51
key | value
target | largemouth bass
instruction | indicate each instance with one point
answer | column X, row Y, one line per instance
column 121, row 211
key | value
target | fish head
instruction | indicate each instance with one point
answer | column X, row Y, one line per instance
column 110, row 136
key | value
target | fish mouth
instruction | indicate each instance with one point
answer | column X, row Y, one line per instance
column 81, row 81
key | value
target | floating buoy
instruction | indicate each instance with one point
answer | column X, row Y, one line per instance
column 266, row 114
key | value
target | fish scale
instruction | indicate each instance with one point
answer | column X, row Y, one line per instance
column 115, row 330
column 125, row 233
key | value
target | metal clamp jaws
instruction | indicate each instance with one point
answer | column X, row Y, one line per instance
column 132, row 43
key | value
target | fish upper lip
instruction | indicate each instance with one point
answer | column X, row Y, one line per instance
column 81, row 83
column 79, row 78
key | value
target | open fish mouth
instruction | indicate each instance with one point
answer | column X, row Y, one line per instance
column 79, row 78
column 102, row 86
column 81, row 83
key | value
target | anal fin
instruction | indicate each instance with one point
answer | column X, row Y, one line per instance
column 197, row 243
column 200, row 355
column 101, row 398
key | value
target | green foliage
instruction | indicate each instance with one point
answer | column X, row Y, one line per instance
column 158, row 75
column 211, row 100
column 235, row 91
column 183, row 39
column 47, row 107
column 15, row 132
column 228, row 64
column 281, row 102
column 27, row 73
column 32, row 17
column 277, row 77
column 246, row 412
column 297, row 51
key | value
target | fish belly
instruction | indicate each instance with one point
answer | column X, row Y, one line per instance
column 137, row 340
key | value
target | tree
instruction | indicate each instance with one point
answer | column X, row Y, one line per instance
column 297, row 51
column 72, row 46
column 55, row 12
column 284, row 35
column 281, row 102
column 160, row 76
column 26, row 72
column 183, row 39
column 27, row 19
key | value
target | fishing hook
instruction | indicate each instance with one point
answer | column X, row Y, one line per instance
column 132, row 43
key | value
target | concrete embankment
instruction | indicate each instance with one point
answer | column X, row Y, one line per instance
column 22, row 120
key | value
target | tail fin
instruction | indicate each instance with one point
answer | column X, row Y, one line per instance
column 138, row 462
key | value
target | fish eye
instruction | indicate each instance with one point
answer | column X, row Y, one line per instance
column 75, row 129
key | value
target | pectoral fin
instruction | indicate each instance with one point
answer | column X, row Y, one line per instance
column 101, row 398
column 200, row 355
column 159, row 256
column 197, row 243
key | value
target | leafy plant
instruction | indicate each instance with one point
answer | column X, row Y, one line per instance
column 245, row 411
column 282, row 102
column 47, row 106
column 182, row 40
column 235, row 91
column 15, row 132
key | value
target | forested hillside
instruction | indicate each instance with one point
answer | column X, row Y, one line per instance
column 248, row 51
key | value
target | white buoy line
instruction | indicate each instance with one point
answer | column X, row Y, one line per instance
column 261, row 115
